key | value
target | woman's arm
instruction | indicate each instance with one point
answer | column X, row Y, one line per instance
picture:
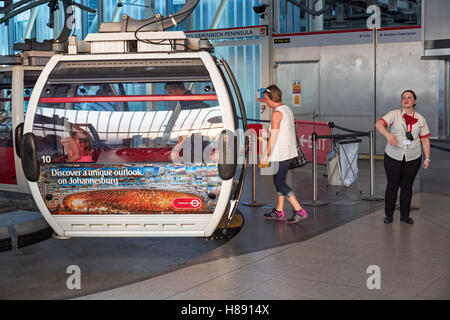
column 277, row 116
column 380, row 126
column 426, row 150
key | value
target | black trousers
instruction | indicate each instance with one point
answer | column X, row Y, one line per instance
column 399, row 174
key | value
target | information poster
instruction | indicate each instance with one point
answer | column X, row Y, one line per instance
column 296, row 93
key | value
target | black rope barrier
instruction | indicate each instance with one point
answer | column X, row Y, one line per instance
column 439, row 148
column 344, row 136
column 333, row 125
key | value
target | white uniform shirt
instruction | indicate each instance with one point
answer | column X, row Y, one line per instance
column 285, row 146
column 396, row 125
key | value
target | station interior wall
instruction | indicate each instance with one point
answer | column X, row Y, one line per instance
column 345, row 83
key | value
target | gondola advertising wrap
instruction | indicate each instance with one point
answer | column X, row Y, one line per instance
column 163, row 188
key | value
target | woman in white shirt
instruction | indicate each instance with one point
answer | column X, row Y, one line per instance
column 408, row 134
column 281, row 149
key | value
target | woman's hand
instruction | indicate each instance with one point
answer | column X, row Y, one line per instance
column 264, row 161
column 391, row 139
column 426, row 164
column 381, row 127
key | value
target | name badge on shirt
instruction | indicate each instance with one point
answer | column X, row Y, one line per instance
column 407, row 142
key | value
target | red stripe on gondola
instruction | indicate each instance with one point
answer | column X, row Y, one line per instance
column 203, row 97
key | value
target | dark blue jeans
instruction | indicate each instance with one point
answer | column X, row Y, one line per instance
column 279, row 179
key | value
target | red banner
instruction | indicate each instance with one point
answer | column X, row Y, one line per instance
column 257, row 127
column 304, row 132
column 7, row 168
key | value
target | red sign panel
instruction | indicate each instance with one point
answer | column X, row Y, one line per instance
column 257, row 127
column 304, row 132
column 7, row 168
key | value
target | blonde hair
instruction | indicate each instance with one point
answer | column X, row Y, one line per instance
column 274, row 93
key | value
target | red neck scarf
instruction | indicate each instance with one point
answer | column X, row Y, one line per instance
column 410, row 120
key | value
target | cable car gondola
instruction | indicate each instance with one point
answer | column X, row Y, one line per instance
column 110, row 150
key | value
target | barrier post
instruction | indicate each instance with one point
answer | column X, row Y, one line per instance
column 372, row 196
column 314, row 202
column 254, row 151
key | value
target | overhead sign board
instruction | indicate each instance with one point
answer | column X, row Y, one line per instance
column 346, row 37
column 229, row 33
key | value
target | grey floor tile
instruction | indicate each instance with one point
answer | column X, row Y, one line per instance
column 236, row 262
column 307, row 270
column 140, row 291
column 276, row 288
column 190, row 276
column 394, row 285
column 412, row 267
column 439, row 289
column 358, row 236
column 95, row 296
column 189, row 295
column 331, row 249
column 228, row 285
column 327, row 291
column 304, row 259
column 356, row 274
column 439, row 249
column 366, row 294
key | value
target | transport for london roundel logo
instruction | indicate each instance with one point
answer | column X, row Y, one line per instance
column 187, row 203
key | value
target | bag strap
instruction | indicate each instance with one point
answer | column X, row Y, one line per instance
column 296, row 135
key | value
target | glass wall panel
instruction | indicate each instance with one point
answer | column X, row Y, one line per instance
column 346, row 14
column 237, row 13
column 244, row 62
column 4, row 49
column 43, row 32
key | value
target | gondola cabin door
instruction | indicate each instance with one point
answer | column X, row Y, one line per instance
column 16, row 85
column 126, row 145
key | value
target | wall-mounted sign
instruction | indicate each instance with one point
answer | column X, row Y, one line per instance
column 229, row 33
column 348, row 37
column 296, row 92
column 282, row 40
column 260, row 95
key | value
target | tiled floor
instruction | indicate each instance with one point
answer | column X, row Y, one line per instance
column 414, row 262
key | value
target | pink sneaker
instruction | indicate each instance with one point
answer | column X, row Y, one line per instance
column 298, row 216
column 275, row 215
